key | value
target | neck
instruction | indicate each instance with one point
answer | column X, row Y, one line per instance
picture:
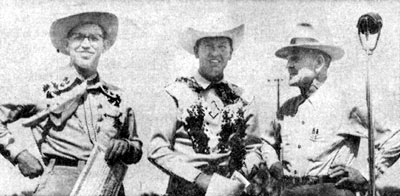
column 212, row 79
column 85, row 73
column 309, row 89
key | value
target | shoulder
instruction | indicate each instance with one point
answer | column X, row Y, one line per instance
column 115, row 95
column 58, row 81
column 182, row 86
column 245, row 95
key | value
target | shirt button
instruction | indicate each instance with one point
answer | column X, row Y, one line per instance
column 100, row 118
column 99, row 106
column 299, row 146
column 302, row 122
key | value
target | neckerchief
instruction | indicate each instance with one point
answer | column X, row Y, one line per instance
column 64, row 100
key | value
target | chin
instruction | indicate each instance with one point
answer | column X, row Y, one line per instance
column 84, row 65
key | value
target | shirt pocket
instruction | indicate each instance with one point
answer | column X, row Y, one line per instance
column 110, row 122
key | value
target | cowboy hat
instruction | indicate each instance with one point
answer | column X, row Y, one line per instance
column 212, row 25
column 61, row 27
column 304, row 36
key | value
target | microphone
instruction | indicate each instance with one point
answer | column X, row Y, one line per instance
column 370, row 23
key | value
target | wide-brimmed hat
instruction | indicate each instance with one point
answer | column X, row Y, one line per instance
column 212, row 25
column 61, row 27
column 305, row 36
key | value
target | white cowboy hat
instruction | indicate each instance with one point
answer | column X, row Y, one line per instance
column 215, row 25
column 304, row 36
column 60, row 28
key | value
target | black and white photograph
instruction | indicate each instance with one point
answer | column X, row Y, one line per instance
column 200, row 98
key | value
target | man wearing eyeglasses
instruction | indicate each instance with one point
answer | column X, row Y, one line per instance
column 74, row 111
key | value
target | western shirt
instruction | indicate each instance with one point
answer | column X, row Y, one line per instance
column 68, row 115
column 171, row 147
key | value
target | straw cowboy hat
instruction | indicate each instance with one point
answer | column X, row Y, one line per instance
column 60, row 28
column 305, row 36
column 215, row 25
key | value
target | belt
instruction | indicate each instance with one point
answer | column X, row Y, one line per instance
column 211, row 169
column 58, row 161
column 308, row 180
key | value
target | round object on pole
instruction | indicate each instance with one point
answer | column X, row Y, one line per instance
column 370, row 23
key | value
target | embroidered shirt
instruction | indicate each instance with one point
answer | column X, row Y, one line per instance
column 68, row 116
column 173, row 148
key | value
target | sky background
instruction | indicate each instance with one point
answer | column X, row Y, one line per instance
column 147, row 56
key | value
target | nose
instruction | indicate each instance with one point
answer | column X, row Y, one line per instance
column 290, row 64
column 213, row 51
column 85, row 43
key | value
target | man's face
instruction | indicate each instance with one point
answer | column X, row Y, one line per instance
column 302, row 65
column 213, row 54
column 85, row 44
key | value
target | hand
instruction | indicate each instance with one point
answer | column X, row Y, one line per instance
column 276, row 170
column 29, row 165
column 117, row 149
column 221, row 186
column 261, row 181
column 360, row 115
column 350, row 178
column 203, row 180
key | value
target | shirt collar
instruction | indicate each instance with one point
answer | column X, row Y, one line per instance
column 321, row 90
column 70, row 74
column 204, row 83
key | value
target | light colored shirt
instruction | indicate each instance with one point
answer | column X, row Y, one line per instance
column 323, row 132
column 172, row 148
column 312, row 139
column 69, row 115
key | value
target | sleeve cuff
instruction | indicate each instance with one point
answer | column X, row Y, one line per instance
column 135, row 151
column 365, row 173
column 189, row 174
column 269, row 154
column 13, row 151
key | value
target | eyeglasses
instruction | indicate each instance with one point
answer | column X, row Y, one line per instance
column 93, row 38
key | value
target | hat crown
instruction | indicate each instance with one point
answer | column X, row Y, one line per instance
column 215, row 22
column 305, row 33
column 61, row 27
column 213, row 25
column 306, row 36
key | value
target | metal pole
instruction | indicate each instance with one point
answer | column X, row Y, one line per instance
column 370, row 24
column 371, row 129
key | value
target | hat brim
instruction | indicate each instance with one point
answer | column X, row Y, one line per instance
column 61, row 27
column 191, row 36
column 334, row 52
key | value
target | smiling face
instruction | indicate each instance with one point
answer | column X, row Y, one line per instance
column 304, row 66
column 85, row 44
column 213, row 54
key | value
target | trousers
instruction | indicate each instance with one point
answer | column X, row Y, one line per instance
column 321, row 189
column 59, row 180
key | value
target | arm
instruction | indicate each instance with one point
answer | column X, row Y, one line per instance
column 10, row 113
column 17, row 154
column 161, row 152
column 135, row 145
column 126, row 146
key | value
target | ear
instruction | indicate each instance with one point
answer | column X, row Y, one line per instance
column 106, row 45
column 230, row 55
column 321, row 62
column 196, row 52
column 65, row 44
column 321, row 68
